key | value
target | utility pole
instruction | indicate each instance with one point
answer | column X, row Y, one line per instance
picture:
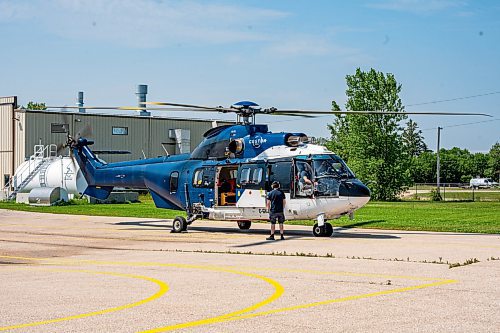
column 438, row 166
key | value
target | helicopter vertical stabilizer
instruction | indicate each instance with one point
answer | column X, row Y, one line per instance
column 89, row 163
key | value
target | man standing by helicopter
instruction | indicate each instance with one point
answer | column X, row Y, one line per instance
column 275, row 204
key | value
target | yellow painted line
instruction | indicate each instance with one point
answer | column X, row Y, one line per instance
column 375, row 275
column 278, row 288
column 342, row 299
column 244, row 313
column 163, row 289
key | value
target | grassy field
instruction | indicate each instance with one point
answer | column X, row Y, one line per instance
column 476, row 217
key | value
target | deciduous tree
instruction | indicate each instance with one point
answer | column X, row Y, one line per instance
column 373, row 144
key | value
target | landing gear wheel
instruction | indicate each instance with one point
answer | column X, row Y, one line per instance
column 318, row 231
column 179, row 224
column 325, row 231
column 328, row 230
column 244, row 225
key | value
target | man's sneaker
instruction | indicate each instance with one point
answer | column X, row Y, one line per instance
column 270, row 237
column 282, row 237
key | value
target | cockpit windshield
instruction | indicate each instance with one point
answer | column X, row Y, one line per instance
column 330, row 165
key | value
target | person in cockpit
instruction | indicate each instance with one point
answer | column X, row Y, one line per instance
column 306, row 184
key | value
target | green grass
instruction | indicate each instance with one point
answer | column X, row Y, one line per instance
column 475, row 217
column 145, row 208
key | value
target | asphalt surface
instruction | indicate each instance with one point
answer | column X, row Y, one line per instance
column 62, row 273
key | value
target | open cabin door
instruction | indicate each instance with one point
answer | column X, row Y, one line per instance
column 251, row 185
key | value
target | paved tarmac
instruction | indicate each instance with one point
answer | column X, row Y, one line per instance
column 62, row 273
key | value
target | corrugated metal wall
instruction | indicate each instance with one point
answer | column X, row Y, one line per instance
column 7, row 138
column 145, row 134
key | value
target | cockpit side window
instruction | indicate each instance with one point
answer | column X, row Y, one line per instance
column 211, row 149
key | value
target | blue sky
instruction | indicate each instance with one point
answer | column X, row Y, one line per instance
column 287, row 54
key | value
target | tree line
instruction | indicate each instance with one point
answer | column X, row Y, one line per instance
column 389, row 156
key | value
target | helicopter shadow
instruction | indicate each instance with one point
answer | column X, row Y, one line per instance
column 339, row 232
column 145, row 224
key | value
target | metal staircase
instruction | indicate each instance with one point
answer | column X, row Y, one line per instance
column 38, row 163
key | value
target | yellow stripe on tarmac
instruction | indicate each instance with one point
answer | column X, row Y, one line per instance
column 244, row 313
column 278, row 288
column 163, row 289
column 342, row 299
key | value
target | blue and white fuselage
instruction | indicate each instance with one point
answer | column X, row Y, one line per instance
column 228, row 175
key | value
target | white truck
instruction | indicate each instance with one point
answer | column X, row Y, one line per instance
column 482, row 183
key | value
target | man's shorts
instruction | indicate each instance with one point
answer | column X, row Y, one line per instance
column 277, row 216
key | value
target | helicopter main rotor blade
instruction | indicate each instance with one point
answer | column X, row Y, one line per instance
column 437, row 113
column 201, row 107
column 293, row 115
column 134, row 108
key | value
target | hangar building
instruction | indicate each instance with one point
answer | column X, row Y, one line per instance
column 143, row 136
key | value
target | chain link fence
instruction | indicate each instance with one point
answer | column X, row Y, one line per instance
column 451, row 192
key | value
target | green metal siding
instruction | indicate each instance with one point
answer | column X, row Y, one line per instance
column 144, row 133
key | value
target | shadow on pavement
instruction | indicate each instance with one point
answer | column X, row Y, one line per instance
column 289, row 234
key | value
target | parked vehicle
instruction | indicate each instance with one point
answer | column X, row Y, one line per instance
column 482, row 183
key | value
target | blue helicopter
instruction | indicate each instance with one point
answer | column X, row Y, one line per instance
column 229, row 174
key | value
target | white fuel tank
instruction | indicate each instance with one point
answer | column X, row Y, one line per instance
column 60, row 171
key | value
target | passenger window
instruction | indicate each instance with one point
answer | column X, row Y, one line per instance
column 252, row 176
column 174, row 181
column 245, row 176
column 198, row 177
column 257, row 176
column 204, row 177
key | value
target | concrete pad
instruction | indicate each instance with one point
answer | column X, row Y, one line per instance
column 62, row 273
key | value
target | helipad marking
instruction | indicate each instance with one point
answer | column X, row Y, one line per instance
column 339, row 300
column 163, row 289
column 313, row 304
column 278, row 288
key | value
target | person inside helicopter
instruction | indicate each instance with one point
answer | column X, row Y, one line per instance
column 305, row 182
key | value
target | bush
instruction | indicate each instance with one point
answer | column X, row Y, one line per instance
column 435, row 195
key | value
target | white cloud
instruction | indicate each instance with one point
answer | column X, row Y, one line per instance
column 157, row 24
column 416, row 6
column 312, row 45
column 142, row 23
column 301, row 45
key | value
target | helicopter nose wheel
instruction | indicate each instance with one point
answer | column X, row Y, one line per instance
column 179, row 224
column 325, row 230
column 244, row 225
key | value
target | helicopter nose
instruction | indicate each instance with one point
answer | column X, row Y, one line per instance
column 358, row 189
column 359, row 194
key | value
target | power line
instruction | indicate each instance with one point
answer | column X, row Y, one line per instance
column 465, row 124
column 453, row 99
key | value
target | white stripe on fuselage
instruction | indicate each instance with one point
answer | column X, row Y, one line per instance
column 276, row 152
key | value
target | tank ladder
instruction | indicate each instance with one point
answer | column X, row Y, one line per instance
column 38, row 163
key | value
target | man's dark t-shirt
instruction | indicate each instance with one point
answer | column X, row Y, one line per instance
column 276, row 198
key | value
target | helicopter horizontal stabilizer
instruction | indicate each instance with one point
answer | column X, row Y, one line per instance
column 99, row 192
